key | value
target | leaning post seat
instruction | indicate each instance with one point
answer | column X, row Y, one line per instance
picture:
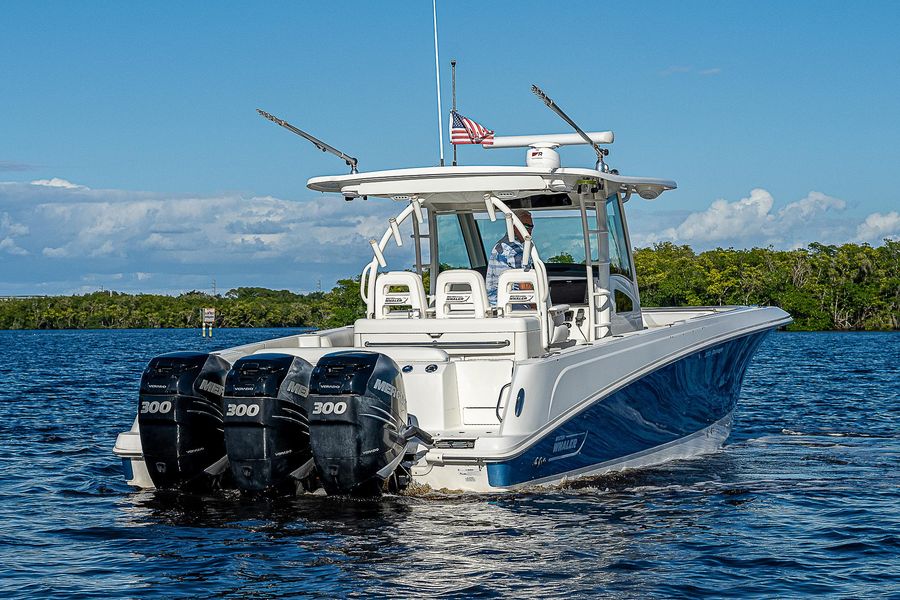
column 461, row 293
column 514, row 298
column 400, row 294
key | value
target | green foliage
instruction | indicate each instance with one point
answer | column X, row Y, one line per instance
column 843, row 287
column 564, row 258
column 342, row 305
column 847, row 287
column 240, row 307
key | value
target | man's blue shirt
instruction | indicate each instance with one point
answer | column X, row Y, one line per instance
column 505, row 255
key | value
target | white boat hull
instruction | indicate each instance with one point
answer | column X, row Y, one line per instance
column 644, row 398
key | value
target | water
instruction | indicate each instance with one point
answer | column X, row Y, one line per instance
column 802, row 502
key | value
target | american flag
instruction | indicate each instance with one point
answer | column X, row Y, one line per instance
column 467, row 131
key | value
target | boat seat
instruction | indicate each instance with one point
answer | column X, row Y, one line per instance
column 333, row 338
column 517, row 296
column 515, row 337
column 400, row 295
column 461, row 293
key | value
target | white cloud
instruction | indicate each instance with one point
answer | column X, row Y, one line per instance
column 9, row 231
column 726, row 220
column 191, row 228
column 105, row 249
column 58, row 183
column 877, row 227
column 178, row 243
column 54, row 252
column 9, row 246
column 10, row 227
column 754, row 221
column 186, row 241
column 801, row 211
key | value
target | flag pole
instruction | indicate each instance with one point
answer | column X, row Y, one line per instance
column 437, row 72
column 453, row 78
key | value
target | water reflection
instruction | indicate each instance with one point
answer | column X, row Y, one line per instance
column 608, row 531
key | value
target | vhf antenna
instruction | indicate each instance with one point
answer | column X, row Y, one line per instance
column 351, row 162
column 601, row 152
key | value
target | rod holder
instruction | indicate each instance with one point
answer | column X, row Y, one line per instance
column 395, row 229
column 526, row 251
column 489, row 205
column 379, row 256
column 417, row 208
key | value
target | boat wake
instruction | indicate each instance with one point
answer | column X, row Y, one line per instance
column 837, row 434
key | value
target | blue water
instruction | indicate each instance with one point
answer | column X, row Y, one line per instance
column 803, row 501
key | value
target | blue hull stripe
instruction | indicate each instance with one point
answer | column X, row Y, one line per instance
column 127, row 469
column 667, row 404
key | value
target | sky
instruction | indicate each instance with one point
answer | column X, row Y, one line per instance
column 132, row 158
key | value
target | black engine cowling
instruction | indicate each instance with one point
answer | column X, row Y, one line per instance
column 266, row 426
column 357, row 421
column 180, row 419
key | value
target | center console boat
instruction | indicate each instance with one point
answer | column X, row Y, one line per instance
column 567, row 375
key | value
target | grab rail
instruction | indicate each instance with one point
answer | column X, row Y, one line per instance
column 499, row 398
column 439, row 344
column 367, row 280
column 492, row 204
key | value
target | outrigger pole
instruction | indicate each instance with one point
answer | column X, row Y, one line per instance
column 601, row 152
column 351, row 162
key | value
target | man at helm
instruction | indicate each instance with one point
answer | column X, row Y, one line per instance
column 507, row 254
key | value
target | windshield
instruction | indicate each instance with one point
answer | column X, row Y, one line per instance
column 619, row 262
column 453, row 252
column 557, row 235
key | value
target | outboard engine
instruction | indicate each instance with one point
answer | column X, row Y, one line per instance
column 266, row 426
column 180, row 419
column 358, row 426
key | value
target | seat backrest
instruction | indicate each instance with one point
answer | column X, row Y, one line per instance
column 400, row 295
column 461, row 293
column 518, row 294
column 514, row 298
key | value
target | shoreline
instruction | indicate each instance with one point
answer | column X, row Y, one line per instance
column 306, row 328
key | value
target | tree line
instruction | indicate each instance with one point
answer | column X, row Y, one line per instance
column 240, row 307
column 846, row 287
